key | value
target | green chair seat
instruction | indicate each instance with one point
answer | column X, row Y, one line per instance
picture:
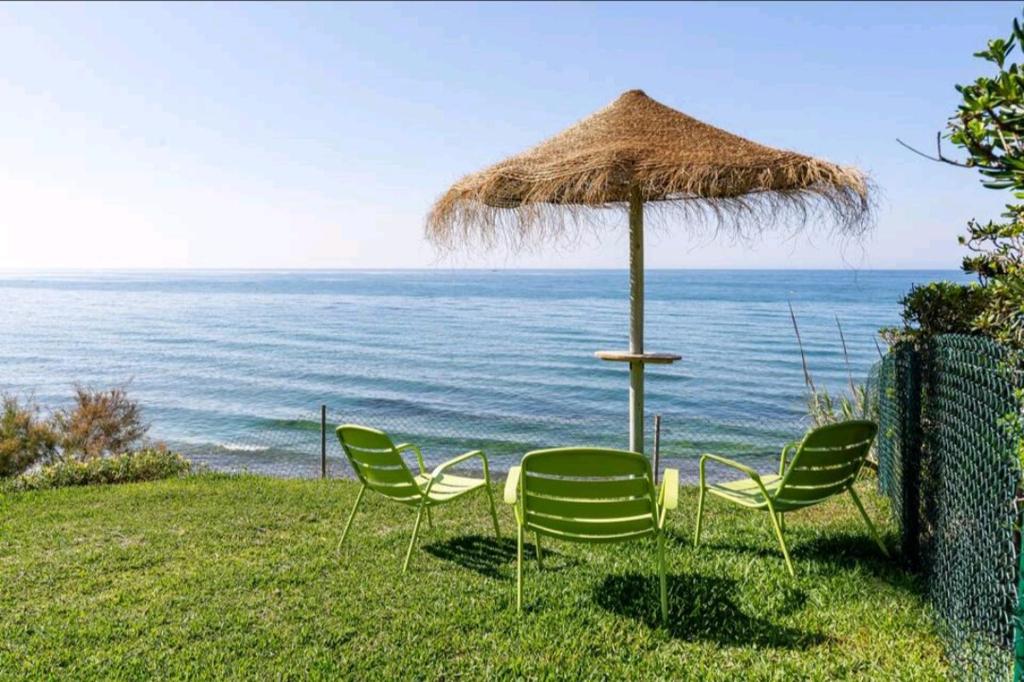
column 379, row 466
column 746, row 492
column 824, row 464
column 447, row 487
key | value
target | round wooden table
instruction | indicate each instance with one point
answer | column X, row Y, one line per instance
column 645, row 358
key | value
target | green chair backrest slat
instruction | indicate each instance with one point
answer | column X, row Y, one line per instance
column 378, row 459
column 811, row 476
column 807, row 495
column 597, row 463
column 596, row 488
column 593, row 509
column 588, row 494
column 377, row 464
column 383, row 476
column 826, row 462
column 588, row 531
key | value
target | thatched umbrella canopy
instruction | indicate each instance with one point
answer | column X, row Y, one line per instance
column 633, row 151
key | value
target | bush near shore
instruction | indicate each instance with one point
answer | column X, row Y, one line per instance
column 144, row 465
column 101, row 438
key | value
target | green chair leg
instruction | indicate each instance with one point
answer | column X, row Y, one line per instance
column 540, row 553
column 519, row 571
column 412, row 541
column 867, row 520
column 494, row 513
column 662, row 579
column 782, row 541
column 351, row 516
column 782, row 522
column 700, row 514
column 430, row 519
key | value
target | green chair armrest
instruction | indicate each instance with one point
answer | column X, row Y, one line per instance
column 669, row 494
column 419, row 454
column 512, row 485
column 754, row 476
column 729, row 463
column 441, row 468
column 785, row 450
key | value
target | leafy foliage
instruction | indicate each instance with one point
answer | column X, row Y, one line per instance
column 998, row 261
column 130, row 467
column 939, row 308
column 101, row 423
column 998, row 248
column 25, row 438
column 989, row 121
column 989, row 127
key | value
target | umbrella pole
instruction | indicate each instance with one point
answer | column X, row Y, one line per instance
column 636, row 320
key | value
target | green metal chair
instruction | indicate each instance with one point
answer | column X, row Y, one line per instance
column 825, row 463
column 589, row 495
column 379, row 465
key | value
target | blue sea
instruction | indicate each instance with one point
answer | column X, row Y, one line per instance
column 233, row 366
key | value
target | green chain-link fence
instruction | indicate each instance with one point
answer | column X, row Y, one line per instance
column 947, row 462
column 292, row 447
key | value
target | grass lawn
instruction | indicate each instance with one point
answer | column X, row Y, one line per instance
column 218, row 576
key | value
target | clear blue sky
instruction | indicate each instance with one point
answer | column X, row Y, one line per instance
column 292, row 135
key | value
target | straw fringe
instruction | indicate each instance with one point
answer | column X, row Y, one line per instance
column 681, row 166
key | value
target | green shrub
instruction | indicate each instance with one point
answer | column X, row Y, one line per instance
column 100, row 423
column 939, row 308
column 143, row 465
column 824, row 408
column 999, row 263
column 25, row 438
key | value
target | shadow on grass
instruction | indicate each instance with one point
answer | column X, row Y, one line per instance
column 849, row 552
column 701, row 608
column 839, row 551
column 674, row 538
column 491, row 557
column 842, row 551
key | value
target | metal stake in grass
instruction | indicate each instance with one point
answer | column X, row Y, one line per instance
column 323, row 441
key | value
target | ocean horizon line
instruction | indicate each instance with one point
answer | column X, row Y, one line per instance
column 283, row 270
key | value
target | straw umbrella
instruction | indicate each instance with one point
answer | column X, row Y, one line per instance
column 637, row 151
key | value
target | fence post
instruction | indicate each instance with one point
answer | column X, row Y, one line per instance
column 1018, row 618
column 323, row 441
column 657, row 445
column 909, row 372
